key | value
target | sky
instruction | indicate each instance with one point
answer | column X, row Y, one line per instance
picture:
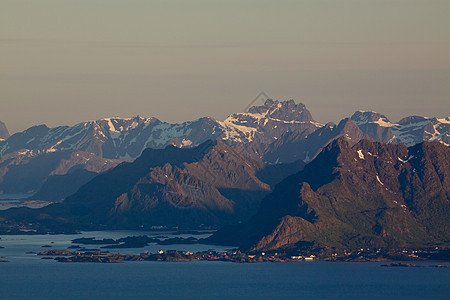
column 67, row 61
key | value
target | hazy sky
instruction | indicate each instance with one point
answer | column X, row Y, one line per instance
column 67, row 61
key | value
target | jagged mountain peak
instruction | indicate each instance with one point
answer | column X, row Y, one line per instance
column 414, row 120
column 348, row 130
column 119, row 124
column 283, row 110
column 266, row 123
column 115, row 138
column 363, row 117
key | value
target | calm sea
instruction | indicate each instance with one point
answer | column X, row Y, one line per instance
column 26, row 276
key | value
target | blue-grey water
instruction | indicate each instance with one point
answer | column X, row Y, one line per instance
column 27, row 276
column 14, row 196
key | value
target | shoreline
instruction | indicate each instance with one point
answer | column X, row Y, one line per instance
column 91, row 249
column 230, row 256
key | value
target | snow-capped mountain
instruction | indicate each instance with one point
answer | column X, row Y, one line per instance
column 99, row 145
column 277, row 131
column 268, row 122
column 28, row 158
column 252, row 132
column 126, row 138
column 368, row 125
column 409, row 131
column 113, row 138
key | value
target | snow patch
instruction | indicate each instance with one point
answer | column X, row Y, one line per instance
column 361, row 155
column 307, row 158
column 444, row 121
column 378, row 178
column 403, row 161
column 185, row 143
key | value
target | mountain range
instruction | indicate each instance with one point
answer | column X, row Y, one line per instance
column 273, row 132
column 355, row 193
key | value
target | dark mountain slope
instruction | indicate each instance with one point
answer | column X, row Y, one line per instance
column 209, row 185
column 368, row 195
column 26, row 172
column 57, row 187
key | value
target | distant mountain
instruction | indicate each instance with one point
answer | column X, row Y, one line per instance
column 294, row 145
column 274, row 132
column 305, row 146
column 111, row 138
column 104, row 143
column 95, row 146
column 369, row 195
column 126, row 138
column 408, row 131
column 4, row 134
column 206, row 186
column 252, row 132
column 26, row 171
column 58, row 187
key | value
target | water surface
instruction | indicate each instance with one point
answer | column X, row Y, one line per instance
column 29, row 277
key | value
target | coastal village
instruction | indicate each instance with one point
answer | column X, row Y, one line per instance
column 236, row 256
column 170, row 256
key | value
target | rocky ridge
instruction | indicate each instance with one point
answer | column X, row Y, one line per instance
column 205, row 186
column 371, row 195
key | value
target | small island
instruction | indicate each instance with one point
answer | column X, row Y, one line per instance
column 402, row 265
column 133, row 242
column 235, row 255
column 171, row 255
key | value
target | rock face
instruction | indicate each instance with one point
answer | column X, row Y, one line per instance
column 4, row 134
column 208, row 185
column 368, row 195
column 252, row 132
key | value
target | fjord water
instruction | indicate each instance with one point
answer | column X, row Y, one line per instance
column 27, row 276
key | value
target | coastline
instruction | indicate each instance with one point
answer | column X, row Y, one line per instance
column 191, row 246
column 229, row 256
